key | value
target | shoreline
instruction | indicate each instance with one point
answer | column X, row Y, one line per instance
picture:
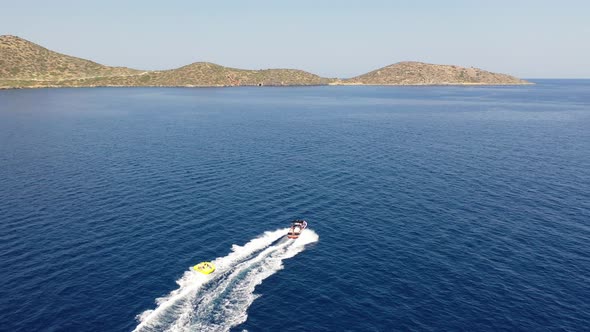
column 258, row 86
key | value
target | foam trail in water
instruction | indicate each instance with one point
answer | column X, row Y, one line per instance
column 225, row 305
column 192, row 281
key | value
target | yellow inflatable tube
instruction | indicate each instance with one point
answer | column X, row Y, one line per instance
column 204, row 267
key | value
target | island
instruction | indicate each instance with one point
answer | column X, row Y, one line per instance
column 24, row 64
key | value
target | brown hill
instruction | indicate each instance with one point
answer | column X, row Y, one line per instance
column 210, row 74
column 22, row 60
column 200, row 74
column 204, row 73
column 419, row 73
column 27, row 65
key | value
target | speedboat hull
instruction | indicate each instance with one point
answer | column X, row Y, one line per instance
column 297, row 226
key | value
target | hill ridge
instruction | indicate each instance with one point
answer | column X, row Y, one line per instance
column 21, row 59
column 421, row 73
column 24, row 64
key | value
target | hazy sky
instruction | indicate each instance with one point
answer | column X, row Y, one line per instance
column 529, row 38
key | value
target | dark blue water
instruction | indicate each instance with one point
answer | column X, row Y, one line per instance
column 436, row 208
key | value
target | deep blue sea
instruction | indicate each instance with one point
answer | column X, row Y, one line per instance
column 429, row 208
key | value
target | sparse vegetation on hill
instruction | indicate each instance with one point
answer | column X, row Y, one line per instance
column 209, row 74
column 419, row 73
column 27, row 65
column 23, row 60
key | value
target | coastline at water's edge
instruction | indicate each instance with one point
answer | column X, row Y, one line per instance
column 430, row 84
column 52, row 86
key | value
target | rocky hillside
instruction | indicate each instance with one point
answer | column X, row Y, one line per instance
column 24, row 64
column 23, row 60
column 27, row 65
column 419, row 73
column 210, row 74
column 200, row 74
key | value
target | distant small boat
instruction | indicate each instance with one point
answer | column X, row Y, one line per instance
column 297, row 226
column 204, row 267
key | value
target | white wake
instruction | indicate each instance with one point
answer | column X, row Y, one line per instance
column 219, row 301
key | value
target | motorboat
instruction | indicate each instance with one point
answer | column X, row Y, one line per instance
column 297, row 226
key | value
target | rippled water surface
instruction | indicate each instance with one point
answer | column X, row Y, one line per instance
column 430, row 208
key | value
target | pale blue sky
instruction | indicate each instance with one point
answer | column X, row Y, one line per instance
column 529, row 38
